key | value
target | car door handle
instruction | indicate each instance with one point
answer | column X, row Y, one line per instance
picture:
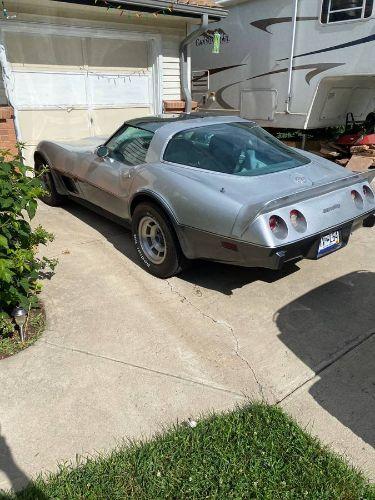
column 130, row 173
column 125, row 175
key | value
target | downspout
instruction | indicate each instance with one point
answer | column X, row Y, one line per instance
column 290, row 71
column 184, row 61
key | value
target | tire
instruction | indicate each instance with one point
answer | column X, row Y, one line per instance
column 156, row 242
column 52, row 197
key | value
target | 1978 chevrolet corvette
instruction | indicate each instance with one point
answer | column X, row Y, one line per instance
column 218, row 188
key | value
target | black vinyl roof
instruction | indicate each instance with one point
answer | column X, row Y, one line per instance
column 152, row 123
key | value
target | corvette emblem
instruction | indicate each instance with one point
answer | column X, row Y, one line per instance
column 300, row 179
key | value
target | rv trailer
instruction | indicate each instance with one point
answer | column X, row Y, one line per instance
column 301, row 64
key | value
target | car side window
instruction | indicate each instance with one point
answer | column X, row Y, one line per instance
column 130, row 145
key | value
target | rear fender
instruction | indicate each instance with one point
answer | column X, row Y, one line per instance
column 324, row 206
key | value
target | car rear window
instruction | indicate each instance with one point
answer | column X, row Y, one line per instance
column 232, row 148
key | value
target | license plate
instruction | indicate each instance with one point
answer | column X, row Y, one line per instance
column 329, row 243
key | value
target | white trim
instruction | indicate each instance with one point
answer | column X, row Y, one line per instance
column 83, row 108
column 90, row 121
column 156, row 58
column 9, row 87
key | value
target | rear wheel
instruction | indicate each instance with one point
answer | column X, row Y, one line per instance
column 51, row 196
column 155, row 241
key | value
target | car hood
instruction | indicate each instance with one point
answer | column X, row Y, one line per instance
column 85, row 145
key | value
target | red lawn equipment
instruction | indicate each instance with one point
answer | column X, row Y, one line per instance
column 358, row 133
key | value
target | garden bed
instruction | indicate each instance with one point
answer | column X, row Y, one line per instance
column 11, row 344
column 20, row 266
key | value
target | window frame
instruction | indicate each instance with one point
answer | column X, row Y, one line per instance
column 329, row 12
column 124, row 127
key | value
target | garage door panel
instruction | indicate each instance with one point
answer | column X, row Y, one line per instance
column 45, row 50
column 66, row 88
column 113, row 54
column 119, row 89
column 107, row 121
column 34, row 89
column 56, row 124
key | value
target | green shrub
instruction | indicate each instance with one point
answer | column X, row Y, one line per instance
column 20, row 268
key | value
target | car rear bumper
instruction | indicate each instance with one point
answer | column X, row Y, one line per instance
column 202, row 245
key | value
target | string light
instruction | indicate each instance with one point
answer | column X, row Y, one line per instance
column 109, row 5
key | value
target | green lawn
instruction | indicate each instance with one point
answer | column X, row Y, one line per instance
column 253, row 452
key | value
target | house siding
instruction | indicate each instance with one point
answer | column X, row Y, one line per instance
column 171, row 68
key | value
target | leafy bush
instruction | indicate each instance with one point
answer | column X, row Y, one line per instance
column 20, row 268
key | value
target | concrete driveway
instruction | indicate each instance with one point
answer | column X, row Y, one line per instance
column 125, row 353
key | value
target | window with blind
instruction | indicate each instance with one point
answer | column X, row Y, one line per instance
column 334, row 11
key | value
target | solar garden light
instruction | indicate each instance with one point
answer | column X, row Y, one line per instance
column 20, row 314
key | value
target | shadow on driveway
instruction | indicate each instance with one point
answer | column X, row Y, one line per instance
column 323, row 325
column 17, row 478
column 223, row 278
column 8, row 466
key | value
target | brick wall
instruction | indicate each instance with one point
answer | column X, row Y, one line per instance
column 8, row 138
column 175, row 106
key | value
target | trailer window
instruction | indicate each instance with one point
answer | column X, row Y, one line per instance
column 334, row 11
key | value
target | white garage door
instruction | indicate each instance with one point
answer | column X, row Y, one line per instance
column 69, row 87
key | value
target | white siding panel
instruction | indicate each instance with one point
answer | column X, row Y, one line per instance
column 171, row 68
column 172, row 86
column 170, row 59
column 172, row 79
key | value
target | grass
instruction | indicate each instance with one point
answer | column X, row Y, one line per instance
column 10, row 345
column 254, row 452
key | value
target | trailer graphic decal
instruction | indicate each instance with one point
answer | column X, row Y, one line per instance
column 316, row 70
column 353, row 43
column 263, row 24
column 213, row 71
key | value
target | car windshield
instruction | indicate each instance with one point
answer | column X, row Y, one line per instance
column 232, row 148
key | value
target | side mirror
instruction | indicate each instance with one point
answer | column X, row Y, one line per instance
column 102, row 151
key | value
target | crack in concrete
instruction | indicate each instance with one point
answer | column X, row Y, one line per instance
column 229, row 328
column 140, row 367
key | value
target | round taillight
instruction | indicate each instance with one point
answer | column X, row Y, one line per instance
column 357, row 198
column 298, row 221
column 367, row 191
column 278, row 226
column 273, row 222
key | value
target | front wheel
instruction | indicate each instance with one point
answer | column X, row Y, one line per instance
column 51, row 196
column 155, row 241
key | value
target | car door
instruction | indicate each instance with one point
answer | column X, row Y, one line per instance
column 108, row 179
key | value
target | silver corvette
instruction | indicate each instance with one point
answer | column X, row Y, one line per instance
column 218, row 188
